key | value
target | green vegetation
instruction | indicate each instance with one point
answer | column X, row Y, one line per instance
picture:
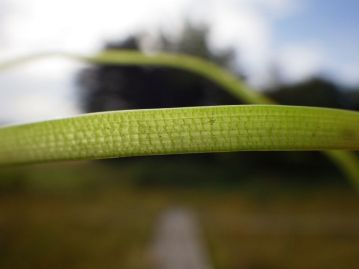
column 180, row 130
column 92, row 215
column 103, row 214
column 347, row 163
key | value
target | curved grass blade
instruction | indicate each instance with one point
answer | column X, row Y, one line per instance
column 180, row 130
column 348, row 162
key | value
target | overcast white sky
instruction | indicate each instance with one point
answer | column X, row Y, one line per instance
column 300, row 37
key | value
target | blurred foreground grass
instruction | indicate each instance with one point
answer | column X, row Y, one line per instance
column 96, row 215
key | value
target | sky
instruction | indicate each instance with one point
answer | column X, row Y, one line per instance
column 297, row 38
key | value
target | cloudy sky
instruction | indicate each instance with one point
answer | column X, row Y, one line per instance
column 299, row 38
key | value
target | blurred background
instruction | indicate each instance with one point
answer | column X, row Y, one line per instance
column 255, row 210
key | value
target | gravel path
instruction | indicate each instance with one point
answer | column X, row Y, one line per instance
column 178, row 242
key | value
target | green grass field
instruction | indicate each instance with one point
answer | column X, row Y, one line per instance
column 91, row 215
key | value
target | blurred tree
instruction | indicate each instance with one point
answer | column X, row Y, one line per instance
column 313, row 92
column 107, row 87
column 194, row 41
column 352, row 98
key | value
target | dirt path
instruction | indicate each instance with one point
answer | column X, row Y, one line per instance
column 178, row 242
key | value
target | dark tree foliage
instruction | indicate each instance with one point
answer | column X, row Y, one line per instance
column 314, row 92
column 352, row 98
column 127, row 87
